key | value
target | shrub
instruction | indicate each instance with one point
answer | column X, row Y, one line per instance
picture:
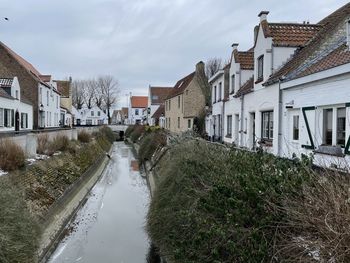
column 137, row 132
column 19, row 231
column 43, row 143
column 107, row 133
column 150, row 143
column 129, row 130
column 213, row 204
column 12, row 156
column 84, row 136
column 59, row 143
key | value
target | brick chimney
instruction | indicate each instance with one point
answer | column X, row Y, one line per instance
column 263, row 15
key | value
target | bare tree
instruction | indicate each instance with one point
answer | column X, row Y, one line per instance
column 90, row 86
column 212, row 66
column 77, row 93
column 108, row 88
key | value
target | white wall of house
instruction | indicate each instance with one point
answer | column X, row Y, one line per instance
column 135, row 115
column 11, row 106
column 217, row 87
column 330, row 93
column 49, row 107
column 93, row 116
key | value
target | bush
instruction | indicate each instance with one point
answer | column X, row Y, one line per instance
column 129, row 130
column 150, row 143
column 84, row 136
column 43, row 143
column 12, row 156
column 59, row 143
column 19, row 231
column 108, row 133
column 137, row 132
column 213, row 204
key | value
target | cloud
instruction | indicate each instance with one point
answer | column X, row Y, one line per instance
column 140, row 42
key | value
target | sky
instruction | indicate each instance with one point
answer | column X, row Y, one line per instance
column 139, row 42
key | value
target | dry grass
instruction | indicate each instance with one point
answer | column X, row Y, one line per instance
column 43, row 143
column 12, row 156
column 59, row 143
column 84, row 137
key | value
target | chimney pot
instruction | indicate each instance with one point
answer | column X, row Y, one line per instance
column 234, row 46
column 263, row 15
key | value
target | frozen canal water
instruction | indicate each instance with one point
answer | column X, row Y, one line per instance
column 109, row 228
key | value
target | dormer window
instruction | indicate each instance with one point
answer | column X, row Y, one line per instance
column 348, row 32
column 233, row 80
column 260, row 68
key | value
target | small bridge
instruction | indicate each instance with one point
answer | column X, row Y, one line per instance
column 119, row 130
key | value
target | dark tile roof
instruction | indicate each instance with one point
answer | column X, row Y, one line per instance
column 317, row 49
column 125, row 111
column 290, row 34
column 159, row 94
column 181, row 85
column 6, row 82
column 5, row 95
column 246, row 88
column 139, row 101
column 45, row 78
column 245, row 58
column 159, row 112
column 63, row 86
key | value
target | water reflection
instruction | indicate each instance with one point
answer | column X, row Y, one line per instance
column 110, row 226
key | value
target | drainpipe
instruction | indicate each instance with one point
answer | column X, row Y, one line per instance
column 222, row 120
column 280, row 119
column 242, row 121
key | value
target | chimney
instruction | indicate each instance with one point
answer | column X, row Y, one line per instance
column 263, row 15
column 200, row 67
column 234, row 46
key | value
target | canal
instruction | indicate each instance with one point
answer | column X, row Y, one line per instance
column 110, row 226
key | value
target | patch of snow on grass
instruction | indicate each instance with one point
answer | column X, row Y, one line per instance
column 2, row 172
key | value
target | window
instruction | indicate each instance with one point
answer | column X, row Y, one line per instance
column 88, row 122
column 137, row 112
column 8, row 119
column 98, row 113
column 214, row 94
column 220, row 90
column 267, row 125
column 169, row 105
column 348, row 32
column 327, row 126
column 178, row 122
column 229, row 126
column 341, row 113
column 189, row 124
column 186, row 92
column 24, row 120
column 47, row 98
column 57, row 101
column 41, row 95
column 178, row 101
column 92, row 113
column 236, row 126
column 296, row 127
column 261, row 68
column 154, row 97
column 169, row 122
column 16, row 94
column 1, row 117
column 233, row 83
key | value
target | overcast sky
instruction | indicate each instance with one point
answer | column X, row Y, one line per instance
column 140, row 42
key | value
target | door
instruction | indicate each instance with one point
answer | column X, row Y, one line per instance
column 17, row 121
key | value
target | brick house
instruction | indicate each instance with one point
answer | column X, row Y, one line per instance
column 187, row 101
column 41, row 94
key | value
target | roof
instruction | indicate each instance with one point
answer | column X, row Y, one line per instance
column 125, row 111
column 181, row 85
column 63, row 86
column 245, row 59
column 159, row 94
column 320, row 53
column 290, row 34
column 139, row 102
column 5, row 95
column 45, row 78
column 246, row 88
column 159, row 112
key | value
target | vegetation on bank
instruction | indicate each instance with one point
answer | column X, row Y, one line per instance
column 26, row 195
column 12, row 156
column 215, row 204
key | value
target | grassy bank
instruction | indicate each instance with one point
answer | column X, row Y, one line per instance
column 27, row 194
column 215, row 204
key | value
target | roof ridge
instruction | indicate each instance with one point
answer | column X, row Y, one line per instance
column 294, row 24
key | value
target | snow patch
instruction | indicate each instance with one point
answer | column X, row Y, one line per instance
column 2, row 172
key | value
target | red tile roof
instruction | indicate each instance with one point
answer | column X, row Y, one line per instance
column 246, row 88
column 139, row 101
column 159, row 112
column 181, row 85
column 159, row 94
column 246, row 59
column 63, row 86
column 290, row 34
column 317, row 50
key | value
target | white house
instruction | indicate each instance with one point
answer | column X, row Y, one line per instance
column 16, row 113
column 315, row 95
column 219, row 83
column 136, row 107
column 88, row 117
